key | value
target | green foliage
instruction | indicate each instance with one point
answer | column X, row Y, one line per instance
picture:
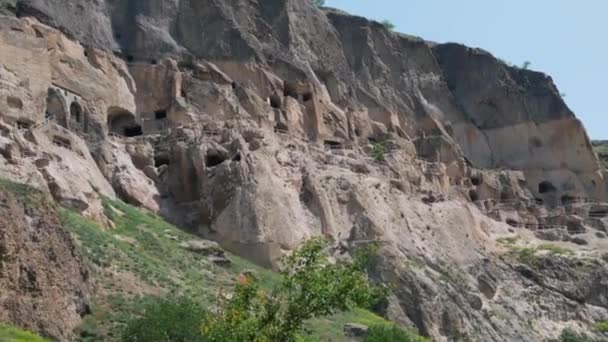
column 175, row 320
column 311, row 287
column 508, row 241
column 319, row 3
column 528, row 256
column 7, row 3
column 555, row 249
column 11, row 334
column 389, row 25
column 602, row 326
column 384, row 333
column 379, row 150
column 526, row 65
column 569, row 335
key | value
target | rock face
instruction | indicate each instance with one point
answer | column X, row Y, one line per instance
column 44, row 284
column 261, row 124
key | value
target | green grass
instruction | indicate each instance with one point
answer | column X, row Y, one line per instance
column 155, row 259
column 508, row 241
column 332, row 328
column 529, row 255
column 11, row 334
column 555, row 249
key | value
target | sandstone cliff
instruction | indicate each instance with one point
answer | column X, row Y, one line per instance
column 261, row 124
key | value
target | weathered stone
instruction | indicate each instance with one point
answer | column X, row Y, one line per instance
column 355, row 330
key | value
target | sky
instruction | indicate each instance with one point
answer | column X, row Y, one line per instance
column 566, row 39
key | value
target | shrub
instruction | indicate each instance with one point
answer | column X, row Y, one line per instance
column 319, row 3
column 602, row 326
column 569, row 335
column 384, row 333
column 389, row 25
column 526, row 65
column 176, row 320
column 311, row 287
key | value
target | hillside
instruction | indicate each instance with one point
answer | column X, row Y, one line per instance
column 141, row 260
column 245, row 128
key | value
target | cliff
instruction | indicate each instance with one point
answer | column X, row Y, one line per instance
column 262, row 124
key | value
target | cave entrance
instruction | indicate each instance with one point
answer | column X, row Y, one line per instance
column 476, row 180
column 275, row 101
column 122, row 122
column 289, row 89
column 567, row 199
column 161, row 160
column 56, row 107
column 474, row 196
column 133, row 131
column 212, row 160
column 76, row 112
column 160, row 114
column 546, row 187
column 331, row 144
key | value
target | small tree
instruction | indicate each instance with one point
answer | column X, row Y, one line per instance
column 526, row 65
column 319, row 3
column 311, row 287
column 389, row 25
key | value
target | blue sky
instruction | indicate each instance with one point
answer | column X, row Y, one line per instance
column 566, row 39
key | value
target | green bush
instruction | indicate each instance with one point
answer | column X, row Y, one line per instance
column 319, row 3
column 602, row 326
column 383, row 333
column 569, row 335
column 176, row 320
column 311, row 287
column 389, row 25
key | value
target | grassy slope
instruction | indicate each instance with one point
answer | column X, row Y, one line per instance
column 140, row 260
column 11, row 334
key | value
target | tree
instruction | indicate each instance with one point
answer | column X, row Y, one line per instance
column 311, row 287
column 319, row 3
column 389, row 25
column 526, row 65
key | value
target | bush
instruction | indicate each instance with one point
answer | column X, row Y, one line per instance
column 319, row 3
column 175, row 320
column 311, row 287
column 383, row 333
column 602, row 326
column 569, row 335
column 389, row 25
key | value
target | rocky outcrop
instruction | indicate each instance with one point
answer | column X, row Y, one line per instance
column 44, row 284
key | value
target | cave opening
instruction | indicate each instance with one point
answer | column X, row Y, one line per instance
column 546, row 187
column 473, row 195
column 212, row 160
column 275, row 101
column 133, row 131
column 476, row 180
column 76, row 112
column 161, row 160
column 290, row 90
